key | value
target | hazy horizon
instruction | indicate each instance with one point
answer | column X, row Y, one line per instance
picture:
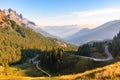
column 86, row 14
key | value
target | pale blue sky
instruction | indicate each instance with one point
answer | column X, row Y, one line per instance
column 43, row 11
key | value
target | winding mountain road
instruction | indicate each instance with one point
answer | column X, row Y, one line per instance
column 94, row 59
column 32, row 60
column 37, row 65
column 109, row 56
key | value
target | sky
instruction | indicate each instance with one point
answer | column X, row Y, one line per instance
column 86, row 13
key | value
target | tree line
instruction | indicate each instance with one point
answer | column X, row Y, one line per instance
column 115, row 46
column 89, row 49
column 52, row 59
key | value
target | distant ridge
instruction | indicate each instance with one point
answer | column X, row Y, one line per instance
column 63, row 30
column 105, row 31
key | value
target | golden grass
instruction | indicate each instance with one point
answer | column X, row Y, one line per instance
column 22, row 70
column 13, row 78
column 111, row 72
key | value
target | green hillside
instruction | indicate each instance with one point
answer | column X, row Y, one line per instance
column 16, row 41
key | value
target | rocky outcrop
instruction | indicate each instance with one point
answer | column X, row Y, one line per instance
column 18, row 18
column 4, row 21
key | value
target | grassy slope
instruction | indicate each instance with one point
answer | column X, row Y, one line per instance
column 72, row 64
column 111, row 71
column 76, row 64
column 22, row 70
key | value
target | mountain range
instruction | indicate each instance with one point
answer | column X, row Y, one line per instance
column 70, row 33
column 105, row 31
column 20, row 20
column 62, row 31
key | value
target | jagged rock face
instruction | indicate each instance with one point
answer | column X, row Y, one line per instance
column 1, row 16
column 4, row 21
column 18, row 18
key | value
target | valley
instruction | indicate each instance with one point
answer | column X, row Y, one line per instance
column 51, row 43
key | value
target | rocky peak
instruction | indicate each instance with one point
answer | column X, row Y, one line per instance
column 10, row 10
column 11, row 14
column 21, row 16
column 2, row 16
column 4, row 21
column 18, row 18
